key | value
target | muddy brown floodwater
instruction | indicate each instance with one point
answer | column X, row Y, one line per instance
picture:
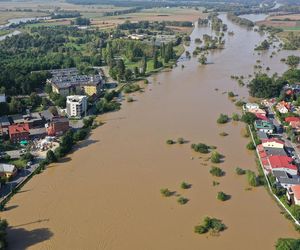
column 106, row 195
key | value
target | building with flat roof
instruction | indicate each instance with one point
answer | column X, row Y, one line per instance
column 76, row 105
column 68, row 81
column 7, row 170
column 286, row 180
column 5, row 121
column 34, row 120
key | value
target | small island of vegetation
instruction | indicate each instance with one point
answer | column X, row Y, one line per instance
column 209, row 224
column 215, row 171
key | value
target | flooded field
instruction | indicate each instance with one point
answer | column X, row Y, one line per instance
column 106, row 195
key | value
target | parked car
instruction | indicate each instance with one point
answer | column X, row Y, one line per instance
column 28, row 164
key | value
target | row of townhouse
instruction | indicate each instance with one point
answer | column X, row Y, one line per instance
column 274, row 157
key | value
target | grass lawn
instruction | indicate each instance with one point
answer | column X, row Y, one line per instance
column 19, row 163
column 179, row 50
column 4, row 32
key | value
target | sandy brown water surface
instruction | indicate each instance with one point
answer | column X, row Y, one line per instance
column 106, row 194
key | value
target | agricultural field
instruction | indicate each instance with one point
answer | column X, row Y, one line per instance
column 52, row 5
column 50, row 22
column 155, row 14
column 286, row 22
column 5, row 15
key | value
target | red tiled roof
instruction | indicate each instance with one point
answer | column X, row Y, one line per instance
column 292, row 119
column 272, row 140
column 295, row 124
column 279, row 161
column 18, row 128
column 261, row 117
column 260, row 147
column 296, row 191
column 263, row 154
column 265, row 162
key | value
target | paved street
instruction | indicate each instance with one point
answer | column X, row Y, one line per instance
column 21, row 176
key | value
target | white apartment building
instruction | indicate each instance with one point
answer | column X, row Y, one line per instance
column 76, row 105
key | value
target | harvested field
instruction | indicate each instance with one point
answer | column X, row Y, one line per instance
column 46, row 6
column 156, row 14
column 280, row 24
column 293, row 17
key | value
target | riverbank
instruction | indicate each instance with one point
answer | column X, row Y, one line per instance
column 111, row 185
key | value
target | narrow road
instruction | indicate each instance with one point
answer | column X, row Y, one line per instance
column 19, row 178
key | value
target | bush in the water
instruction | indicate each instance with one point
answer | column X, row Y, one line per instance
column 223, row 119
column 210, row 224
column 165, row 192
column 215, row 171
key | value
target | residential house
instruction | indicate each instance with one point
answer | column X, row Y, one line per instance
column 292, row 119
column 282, row 163
column 286, row 180
column 283, row 107
column 294, row 122
column 262, row 135
column 57, row 126
column 76, row 106
column 293, row 194
column 249, row 106
column 18, row 132
column 268, row 102
column 295, row 88
column 258, row 111
column 264, row 126
column 264, row 154
column 272, row 143
column 7, row 170
column 261, row 117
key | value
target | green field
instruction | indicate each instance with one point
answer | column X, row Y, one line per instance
column 4, row 32
column 297, row 28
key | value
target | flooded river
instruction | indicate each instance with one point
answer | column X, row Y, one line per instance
column 106, row 195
